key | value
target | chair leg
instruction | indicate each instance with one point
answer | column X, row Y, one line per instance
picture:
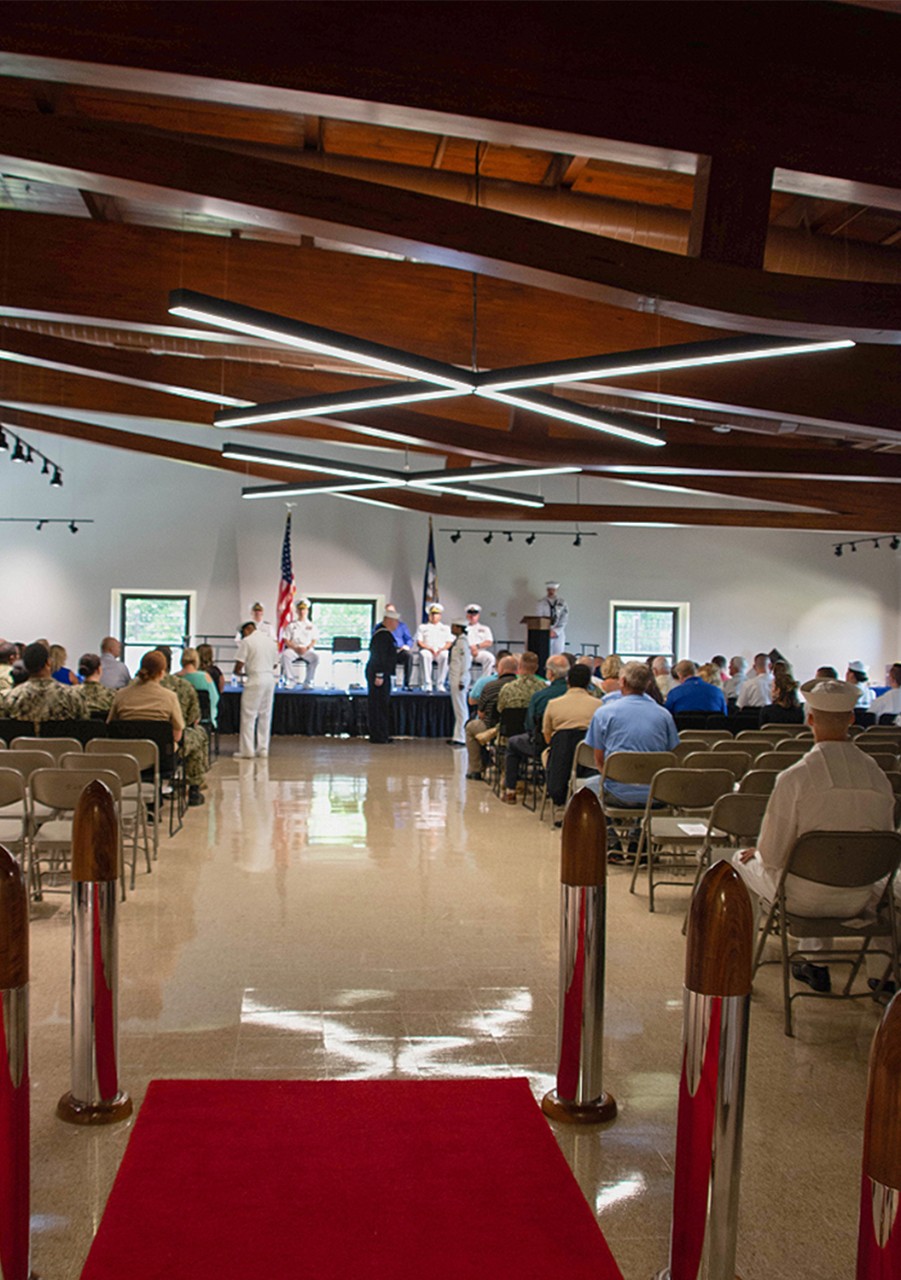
column 643, row 848
column 786, row 984
column 762, row 933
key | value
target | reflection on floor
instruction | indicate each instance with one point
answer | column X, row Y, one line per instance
column 348, row 911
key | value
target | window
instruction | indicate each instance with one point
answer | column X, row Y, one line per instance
column 145, row 619
column 345, row 616
column 643, row 630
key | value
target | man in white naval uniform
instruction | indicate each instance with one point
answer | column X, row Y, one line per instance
column 889, row 704
column 256, row 617
column 434, row 639
column 554, row 607
column 835, row 787
column 756, row 689
column 480, row 641
column 459, row 673
column 257, row 659
column 301, row 637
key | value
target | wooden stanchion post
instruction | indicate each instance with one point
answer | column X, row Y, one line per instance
column 95, row 1097
column 717, row 999
column 579, row 1096
column 879, row 1234
column 15, row 1158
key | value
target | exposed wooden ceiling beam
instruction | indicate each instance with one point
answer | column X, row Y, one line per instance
column 191, row 175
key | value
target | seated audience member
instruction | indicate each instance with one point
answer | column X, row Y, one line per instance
column 634, row 722
column 653, row 689
column 146, row 699
column 834, row 787
column 857, row 675
column 610, row 669
column 826, row 673
column 786, row 706
column 889, row 703
column 58, row 668
column 692, row 693
column 738, row 669
column 756, row 689
column 205, row 655
column 190, row 660
column 710, row 673
column 663, row 677
column 518, row 693
column 569, row 708
column 483, row 726
column 475, row 689
column 113, row 672
column 93, row 696
column 8, row 655
column 434, row 640
column 196, row 746
column 40, row 697
column 719, row 661
column 594, row 684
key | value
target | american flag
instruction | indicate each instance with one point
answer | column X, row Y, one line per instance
column 285, row 587
column 430, row 582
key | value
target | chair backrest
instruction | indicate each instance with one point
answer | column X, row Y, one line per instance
column 894, row 777
column 512, row 720
column 701, row 735
column 739, row 815
column 737, row 762
column 584, row 757
column 158, row 731
column 12, row 786
column 775, row 731
column 2, row 744
column 346, row 644
column 877, row 746
column 758, row 782
column 754, row 736
column 789, row 747
column 125, row 766
column 203, row 697
column 27, row 761
column 144, row 750
column 775, row 760
column 560, row 762
column 636, row 767
column 689, row 788
column 686, row 748
column 61, row 788
column 83, row 730
column 849, row 859
column 55, row 747
column 886, row 761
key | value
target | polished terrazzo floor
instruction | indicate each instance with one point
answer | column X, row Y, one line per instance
column 348, row 911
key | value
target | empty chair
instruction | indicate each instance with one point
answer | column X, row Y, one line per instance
column 51, row 843
column 25, row 762
column 55, row 747
column 132, row 808
column 734, row 823
column 702, row 735
column 146, row 752
column 737, row 762
column 758, row 782
column 558, row 769
column 776, row 760
column 14, row 815
column 790, row 747
column 686, row 748
column 675, row 821
column 629, row 768
column 171, row 761
column 850, row 860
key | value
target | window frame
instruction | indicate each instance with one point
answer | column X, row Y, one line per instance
column 119, row 596
column 679, row 609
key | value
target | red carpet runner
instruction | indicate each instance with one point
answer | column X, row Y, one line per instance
column 331, row 1180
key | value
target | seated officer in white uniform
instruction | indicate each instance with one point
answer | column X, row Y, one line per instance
column 301, row 637
column 263, row 627
column 480, row 642
column 434, row 639
column 835, row 787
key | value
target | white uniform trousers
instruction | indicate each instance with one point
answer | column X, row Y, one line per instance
column 291, row 668
column 485, row 661
column 428, row 661
column 558, row 642
column 256, row 715
column 461, row 711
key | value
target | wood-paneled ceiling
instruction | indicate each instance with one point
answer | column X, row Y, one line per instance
column 504, row 182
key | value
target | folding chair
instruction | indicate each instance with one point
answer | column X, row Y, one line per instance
column 630, row 768
column 708, row 736
column 147, row 755
column 512, row 720
column 842, row 859
column 55, row 747
column 675, row 832
column 796, row 747
column 734, row 823
column 559, row 768
column 14, row 824
column 777, row 760
column 60, row 789
column 171, row 762
column 758, row 782
column 737, row 762
column 132, row 807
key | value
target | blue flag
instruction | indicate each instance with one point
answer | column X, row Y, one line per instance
column 430, row 583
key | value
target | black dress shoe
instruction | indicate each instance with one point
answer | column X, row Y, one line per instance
column 195, row 797
column 886, row 988
column 814, row 975
column 473, row 777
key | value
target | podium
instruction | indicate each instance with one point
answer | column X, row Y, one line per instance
column 538, row 637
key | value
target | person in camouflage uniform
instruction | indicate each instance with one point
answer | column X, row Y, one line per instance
column 518, row 693
column 40, row 697
column 196, row 744
column 92, row 695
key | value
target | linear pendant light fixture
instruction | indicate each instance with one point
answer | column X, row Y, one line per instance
column 432, row 379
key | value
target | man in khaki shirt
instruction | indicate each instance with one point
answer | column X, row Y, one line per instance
column 573, row 709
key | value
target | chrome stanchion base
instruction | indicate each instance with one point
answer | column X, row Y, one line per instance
column 662, row 1275
column 599, row 1111
column 73, row 1111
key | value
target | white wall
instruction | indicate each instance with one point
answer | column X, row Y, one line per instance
column 170, row 526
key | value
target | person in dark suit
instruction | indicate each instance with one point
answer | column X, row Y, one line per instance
column 379, row 670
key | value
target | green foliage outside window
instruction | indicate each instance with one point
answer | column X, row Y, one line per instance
column 342, row 618
column 640, row 633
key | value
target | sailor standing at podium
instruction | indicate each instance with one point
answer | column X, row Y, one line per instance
column 556, row 609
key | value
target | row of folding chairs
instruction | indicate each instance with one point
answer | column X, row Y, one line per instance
column 40, row 789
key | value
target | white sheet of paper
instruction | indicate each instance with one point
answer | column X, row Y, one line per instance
column 693, row 828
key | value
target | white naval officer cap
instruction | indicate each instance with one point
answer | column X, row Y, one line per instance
column 436, row 608
column 473, row 608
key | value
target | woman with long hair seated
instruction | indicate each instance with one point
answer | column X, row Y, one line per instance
column 785, row 707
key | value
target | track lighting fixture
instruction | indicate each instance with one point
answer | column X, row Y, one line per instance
column 488, row 538
column 24, row 452
column 838, row 551
column 18, row 452
column 40, row 524
column 577, row 541
column 73, row 527
column 4, row 443
column 57, row 480
column 455, row 537
column 894, row 543
column 530, row 539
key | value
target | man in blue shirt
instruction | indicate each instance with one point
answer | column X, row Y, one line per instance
column 692, row 693
column 404, row 642
column 634, row 722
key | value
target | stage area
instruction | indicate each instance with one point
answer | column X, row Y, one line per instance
column 319, row 713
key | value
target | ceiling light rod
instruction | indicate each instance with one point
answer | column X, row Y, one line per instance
column 569, row 411
column 476, row 494
column 688, row 355
column 22, row 451
column 300, row 462
column 457, row 534
column 314, row 486
column 894, row 542
column 40, row 521
column 334, row 402
column 461, row 475
column 308, row 337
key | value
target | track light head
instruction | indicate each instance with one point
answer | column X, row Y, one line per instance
column 73, row 527
column 838, row 550
column 18, row 451
column 488, row 539
column 45, row 469
column 40, row 524
column 530, row 539
column 455, row 537
column 853, row 546
column 57, row 480
column 29, row 453
column 895, row 543
column 577, row 541
column 509, row 537
column 4, row 443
